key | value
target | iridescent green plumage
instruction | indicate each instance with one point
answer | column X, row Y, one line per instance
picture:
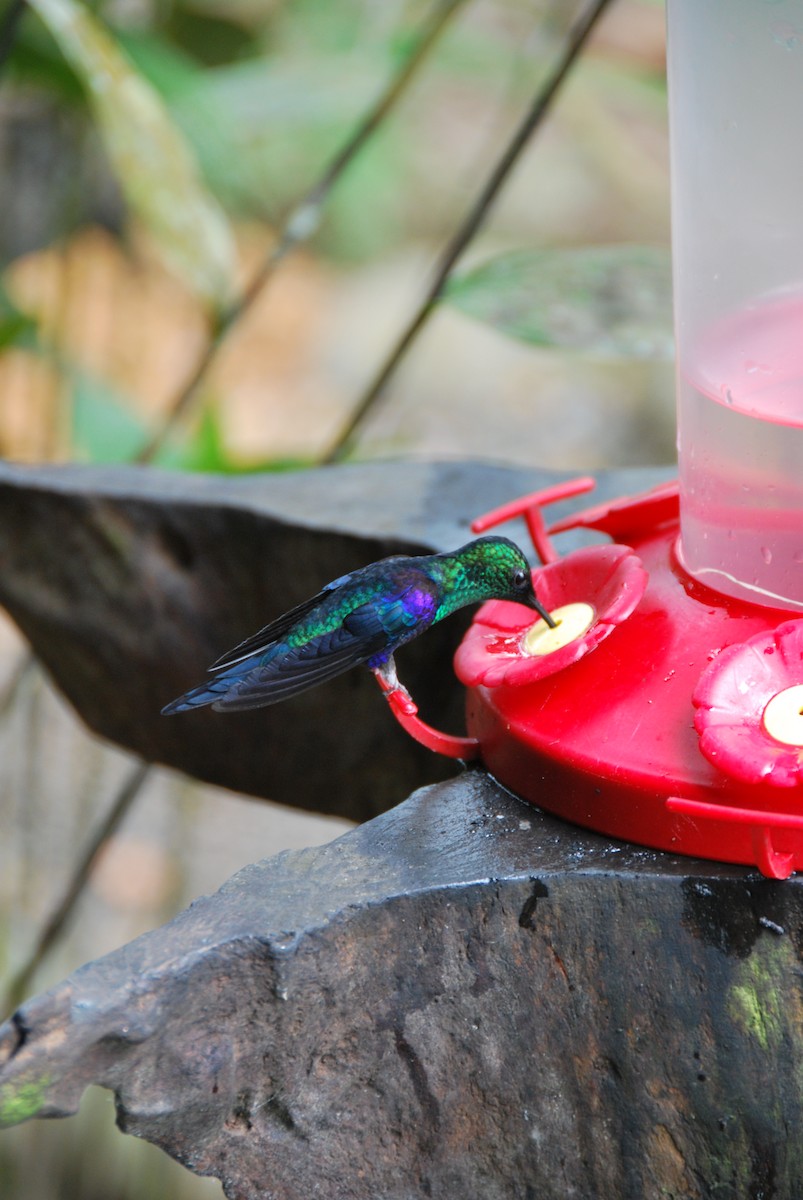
column 362, row 617
column 481, row 570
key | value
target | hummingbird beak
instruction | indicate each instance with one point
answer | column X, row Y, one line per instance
column 542, row 612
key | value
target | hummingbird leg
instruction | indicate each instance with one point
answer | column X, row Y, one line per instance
column 396, row 693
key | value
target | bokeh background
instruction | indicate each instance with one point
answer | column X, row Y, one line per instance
column 127, row 234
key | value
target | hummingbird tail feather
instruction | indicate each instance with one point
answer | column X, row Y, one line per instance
column 284, row 677
column 208, row 693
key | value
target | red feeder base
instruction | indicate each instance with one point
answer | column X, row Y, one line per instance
column 609, row 742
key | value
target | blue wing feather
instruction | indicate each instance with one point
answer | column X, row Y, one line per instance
column 280, row 661
column 276, row 630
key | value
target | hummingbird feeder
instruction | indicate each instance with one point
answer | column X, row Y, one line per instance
column 666, row 707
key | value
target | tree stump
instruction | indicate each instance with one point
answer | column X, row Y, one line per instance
column 463, row 997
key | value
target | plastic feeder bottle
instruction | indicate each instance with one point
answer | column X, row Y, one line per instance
column 736, row 122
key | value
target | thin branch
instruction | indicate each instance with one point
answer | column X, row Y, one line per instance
column 475, row 218
column 128, row 792
column 9, row 26
column 304, row 219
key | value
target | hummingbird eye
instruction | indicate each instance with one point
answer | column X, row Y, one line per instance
column 520, row 579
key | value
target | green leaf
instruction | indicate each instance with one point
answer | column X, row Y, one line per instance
column 204, row 450
column 153, row 162
column 35, row 60
column 210, row 39
column 263, row 129
column 16, row 327
column 104, row 428
column 606, row 301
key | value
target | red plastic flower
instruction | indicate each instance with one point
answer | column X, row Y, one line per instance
column 605, row 582
column 750, row 708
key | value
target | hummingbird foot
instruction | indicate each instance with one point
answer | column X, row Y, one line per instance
column 396, row 693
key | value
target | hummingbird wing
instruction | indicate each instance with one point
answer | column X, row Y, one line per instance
column 360, row 617
column 260, row 641
column 371, row 630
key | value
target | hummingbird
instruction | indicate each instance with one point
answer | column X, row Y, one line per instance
column 362, row 617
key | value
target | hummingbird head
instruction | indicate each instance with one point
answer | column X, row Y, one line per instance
column 506, row 574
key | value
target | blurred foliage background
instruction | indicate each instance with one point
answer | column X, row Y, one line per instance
column 152, row 153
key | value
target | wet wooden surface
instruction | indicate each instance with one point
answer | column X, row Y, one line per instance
column 462, row 997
